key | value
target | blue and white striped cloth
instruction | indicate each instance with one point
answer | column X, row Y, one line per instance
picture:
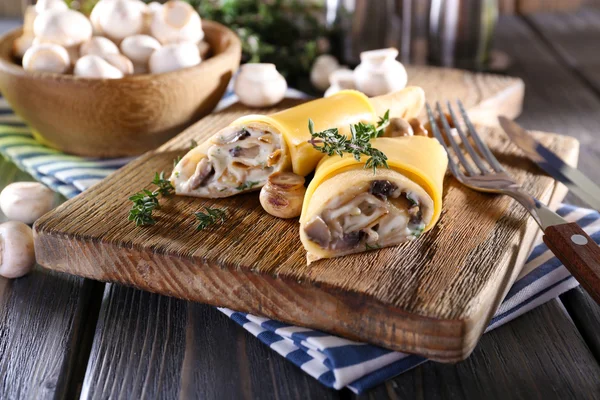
column 334, row 361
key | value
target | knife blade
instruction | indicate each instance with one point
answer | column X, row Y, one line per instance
column 579, row 184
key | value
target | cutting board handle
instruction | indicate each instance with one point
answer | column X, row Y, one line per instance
column 578, row 253
column 406, row 103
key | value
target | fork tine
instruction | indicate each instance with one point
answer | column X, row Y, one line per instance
column 474, row 156
column 461, row 157
column 438, row 135
column 480, row 144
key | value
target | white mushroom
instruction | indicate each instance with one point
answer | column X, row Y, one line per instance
column 341, row 79
column 73, row 51
column 47, row 5
column 22, row 44
column 379, row 72
column 323, row 66
column 173, row 57
column 118, row 19
column 283, row 194
column 139, row 48
column 64, row 27
column 98, row 46
column 96, row 67
column 260, row 85
column 46, row 57
column 17, row 256
column 176, row 22
column 26, row 201
column 120, row 62
column 154, row 7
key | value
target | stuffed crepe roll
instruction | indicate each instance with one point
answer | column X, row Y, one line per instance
column 349, row 209
column 243, row 155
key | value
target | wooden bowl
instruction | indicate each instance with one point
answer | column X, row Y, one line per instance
column 118, row 117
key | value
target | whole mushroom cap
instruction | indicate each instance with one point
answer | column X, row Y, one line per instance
column 120, row 62
column 92, row 66
column 64, row 27
column 139, row 48
column 118, row 19
column 99, row 46
column 173, row 57
column 17, row 255
column 46, row 5
column 26, row 201
column 176, row 22
column 46, row 57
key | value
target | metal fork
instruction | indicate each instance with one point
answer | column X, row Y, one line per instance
column 571, row 245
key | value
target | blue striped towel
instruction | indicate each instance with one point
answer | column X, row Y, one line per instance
column 334, row 361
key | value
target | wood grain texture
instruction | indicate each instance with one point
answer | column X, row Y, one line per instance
column 579, row 254
column 118, row 117
column 43, row 319
column 411, row 297
column 152, row 346
column 585, row 313
column 537, row 356
column 485, row 95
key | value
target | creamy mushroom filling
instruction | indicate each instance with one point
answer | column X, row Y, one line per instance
column 241, row 158
column 375, row 215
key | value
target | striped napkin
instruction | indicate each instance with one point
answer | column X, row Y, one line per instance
column 334, row 361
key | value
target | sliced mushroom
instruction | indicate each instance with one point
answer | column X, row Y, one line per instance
column 318, row 232
column 202, row 172
column 232, row 135
column 382, row 189
column 418, row 128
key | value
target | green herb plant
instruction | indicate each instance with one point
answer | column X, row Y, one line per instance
column 287, row 33
column 331, row 141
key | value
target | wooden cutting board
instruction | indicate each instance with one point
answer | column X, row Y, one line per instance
column 432, row 297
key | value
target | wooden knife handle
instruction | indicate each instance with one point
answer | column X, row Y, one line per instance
column 578, row 253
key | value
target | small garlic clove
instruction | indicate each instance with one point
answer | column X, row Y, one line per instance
column 322, row 68
column 176, row 22
column 120, row 62
column 98, row 46
column 46, row 57
column 118, row 19
column 173, row 57
column 96, row 67
column 64, row 27
column 26, row 201
column 260, row 85
column 21, row 45
column 139, row 48
column 17, row 255
column 283, row 194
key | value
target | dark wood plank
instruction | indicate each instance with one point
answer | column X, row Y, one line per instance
column 43, row 320
column 573, row 109
column 539, row 355
column 572, row 36
column 152, row 346
column 586, row 316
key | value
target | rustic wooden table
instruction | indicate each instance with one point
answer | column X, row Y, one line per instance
column 65, row 337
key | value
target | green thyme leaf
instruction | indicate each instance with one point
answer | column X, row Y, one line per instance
column 331, row 142
column 247, row 185
column 212, row 216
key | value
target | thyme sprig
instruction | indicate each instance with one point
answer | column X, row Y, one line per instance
column 146, row 201
column 247, row 185
column 331, row 142
column 210, row 217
